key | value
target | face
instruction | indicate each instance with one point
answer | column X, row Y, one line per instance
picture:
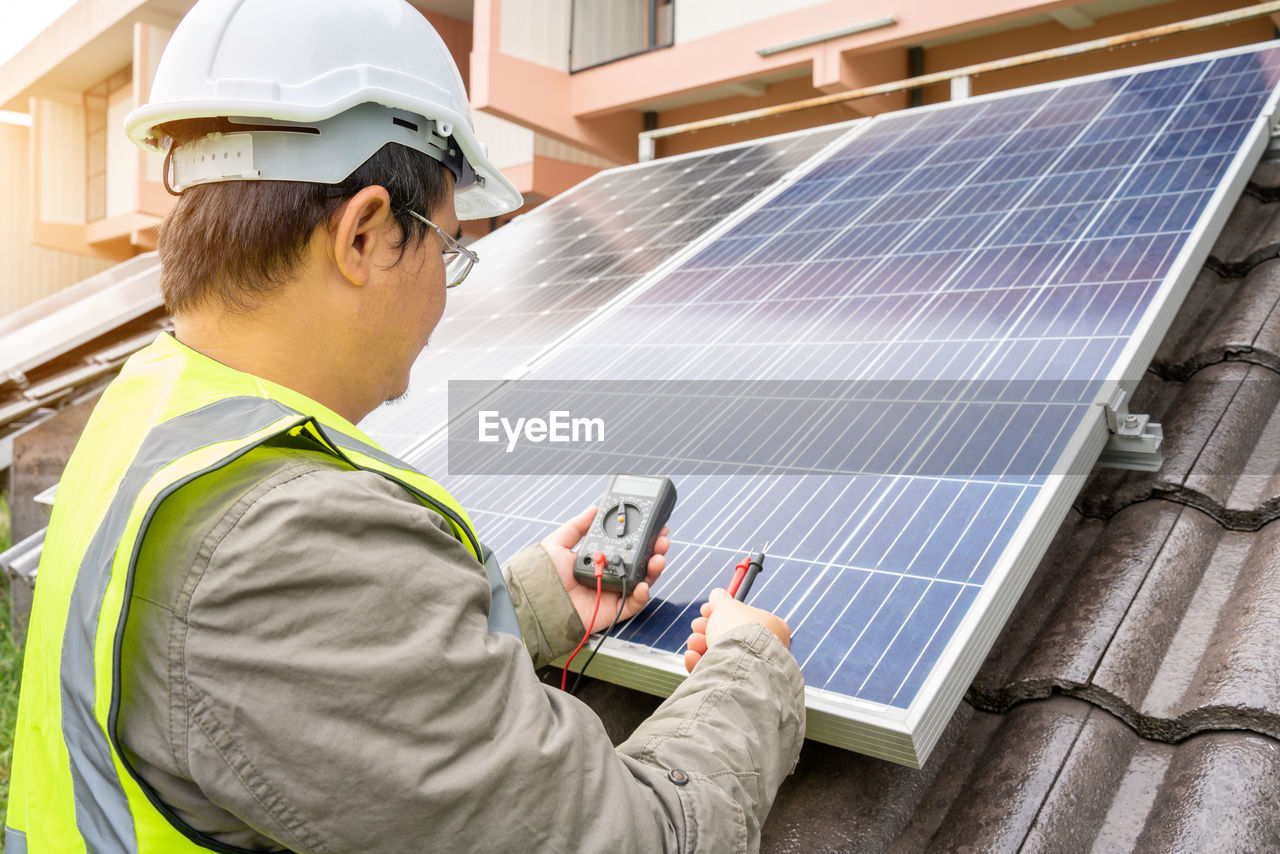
column 415, row 300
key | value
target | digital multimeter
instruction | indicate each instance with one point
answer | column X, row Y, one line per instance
column 631, row 514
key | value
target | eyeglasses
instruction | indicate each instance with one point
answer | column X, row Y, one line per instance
column 458, row 259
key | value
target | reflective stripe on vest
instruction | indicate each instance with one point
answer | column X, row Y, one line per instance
column 112, row 810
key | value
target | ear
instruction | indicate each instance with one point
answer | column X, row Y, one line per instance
column 365, row 225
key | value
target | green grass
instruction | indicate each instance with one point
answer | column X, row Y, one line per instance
column 10, row 672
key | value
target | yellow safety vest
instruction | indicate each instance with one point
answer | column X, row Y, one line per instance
column 171, row 416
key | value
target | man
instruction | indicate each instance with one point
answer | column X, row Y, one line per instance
column 255, row 630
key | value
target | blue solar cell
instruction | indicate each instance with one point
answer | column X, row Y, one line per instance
column 876, row 641
column 944, row 626
column 856, row 598
column 1018, row 242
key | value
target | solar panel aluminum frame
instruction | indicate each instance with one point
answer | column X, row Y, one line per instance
column 908, row 736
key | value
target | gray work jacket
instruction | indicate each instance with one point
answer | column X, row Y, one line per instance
column 307, row 666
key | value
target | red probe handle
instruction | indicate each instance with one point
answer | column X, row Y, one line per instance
column 739, row 573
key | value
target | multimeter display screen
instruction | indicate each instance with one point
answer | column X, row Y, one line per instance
column 631, row 485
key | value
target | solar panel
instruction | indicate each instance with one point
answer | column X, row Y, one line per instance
column 998, row 266
column 59, row 323
column 546, row 272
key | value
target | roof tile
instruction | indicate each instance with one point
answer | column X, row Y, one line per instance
column 1218, row 793
column 1048, row 775
column 1224, row 319
column 1251, row 233
column 1160, row 623
column 1005, row 790
column 1192, row 652
column 1073, row 608
column 1266, row 177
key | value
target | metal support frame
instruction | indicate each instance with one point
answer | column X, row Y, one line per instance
column 21, row 561
column 1272, row 151
column 854, row 29
column 1134, row 441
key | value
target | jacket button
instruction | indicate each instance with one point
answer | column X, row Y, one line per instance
column 678, row 776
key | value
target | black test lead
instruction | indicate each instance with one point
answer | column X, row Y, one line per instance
column 745, row 573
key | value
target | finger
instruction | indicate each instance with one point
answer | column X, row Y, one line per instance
column 697, row 642
column 656, row 564
column 568, row 534
column 699, row 624
column 661, row 545
column 714, row 599
column 691, row 659
column 635, row 601
column 666, row 529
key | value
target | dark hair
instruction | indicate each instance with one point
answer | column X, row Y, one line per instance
column 233, row 242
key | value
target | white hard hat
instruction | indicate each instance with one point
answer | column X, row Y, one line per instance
column 311, row 89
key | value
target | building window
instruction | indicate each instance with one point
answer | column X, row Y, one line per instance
column 97, row 102
column 608, row 30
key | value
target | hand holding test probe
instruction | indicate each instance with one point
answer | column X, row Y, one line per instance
column 721, row 612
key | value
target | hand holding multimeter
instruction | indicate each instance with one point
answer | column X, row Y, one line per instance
column 618, row 543
column 632, row 514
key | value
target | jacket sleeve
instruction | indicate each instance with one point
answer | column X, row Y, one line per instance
column 549, row 624
column 342, row 692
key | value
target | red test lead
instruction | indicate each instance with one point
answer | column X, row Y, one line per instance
column 739, row 573
column 598, row 561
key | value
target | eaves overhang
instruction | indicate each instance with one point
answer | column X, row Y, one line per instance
column 80, row 48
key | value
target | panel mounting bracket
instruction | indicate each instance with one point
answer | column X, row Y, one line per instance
column 1134, row 441
column 1272, row 151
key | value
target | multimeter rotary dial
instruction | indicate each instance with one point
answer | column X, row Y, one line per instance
column 621, row 520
